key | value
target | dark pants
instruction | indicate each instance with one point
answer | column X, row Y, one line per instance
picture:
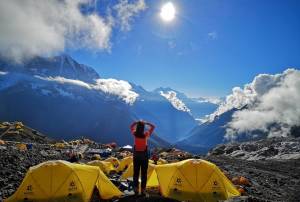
column 140, row 162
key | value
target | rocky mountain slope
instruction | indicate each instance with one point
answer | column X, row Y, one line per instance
column 267, row 149
column 63, row 66
column 207, row 135
column 18, row 132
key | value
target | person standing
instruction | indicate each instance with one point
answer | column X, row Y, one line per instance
column 140, row 153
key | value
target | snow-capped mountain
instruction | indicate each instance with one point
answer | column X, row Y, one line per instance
column 65, row 99
column 172, row 124
column 177, row 103
column 59, row 66
column 199, row 108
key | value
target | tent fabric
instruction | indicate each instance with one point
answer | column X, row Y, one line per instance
column 152, row 180
column 161, row 161
column 114, row 161
column 194, row 180
column 22, row 146
column 63, row 181
column 124, row 163
column 106, row 188
column 59, row 145
column 106, row 167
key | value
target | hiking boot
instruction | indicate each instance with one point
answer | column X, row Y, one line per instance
column 136, row 191
column 143, row 193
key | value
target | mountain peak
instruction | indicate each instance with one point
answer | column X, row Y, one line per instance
column 62, row 66
column 164, row 89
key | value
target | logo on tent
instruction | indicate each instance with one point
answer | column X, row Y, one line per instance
column 29, row 189
column 178, row 182
column 215, row 185
column 72, row 186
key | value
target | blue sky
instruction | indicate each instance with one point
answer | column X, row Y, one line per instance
column 210, row 47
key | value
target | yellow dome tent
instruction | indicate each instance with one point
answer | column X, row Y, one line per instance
column 114, row 161
column 106, row 167
column 124, row 163
column 63, row 181
column 59, row 145
column 22, row 146
column 151, row 175
column 194, row 180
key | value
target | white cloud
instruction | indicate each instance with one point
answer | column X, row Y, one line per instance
column 63, row 80
column 126, row 11
column 117, row 87
column 121, row 89
column 213, row 100
column 213, row 35
column 273, row 105
column 34, row 27
column 3, row 73
column 238, row 99
column 171, row 44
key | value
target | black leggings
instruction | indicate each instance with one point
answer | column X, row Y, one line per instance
column 140, row 162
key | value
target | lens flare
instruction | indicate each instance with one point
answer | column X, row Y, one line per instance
column 167, row 12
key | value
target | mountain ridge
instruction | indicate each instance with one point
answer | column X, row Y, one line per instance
column 63, row 100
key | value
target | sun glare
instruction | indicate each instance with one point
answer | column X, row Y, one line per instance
column 167, row 12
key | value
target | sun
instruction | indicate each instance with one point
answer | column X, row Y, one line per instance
column 167, row 12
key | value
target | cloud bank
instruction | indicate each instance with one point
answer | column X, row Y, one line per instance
column 121, row 89
column 126, row 11
column 273, row 105
column 34, row 27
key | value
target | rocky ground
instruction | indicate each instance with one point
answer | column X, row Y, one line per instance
column 272, row 166
column 280, row 148
column 16, row 131
column 270, row 179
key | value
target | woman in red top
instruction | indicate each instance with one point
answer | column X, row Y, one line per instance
column 140, row 153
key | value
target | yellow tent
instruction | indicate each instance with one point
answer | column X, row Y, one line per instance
column 151, row 175
column 63, row 181
column 114, row 161
column 106, row 188
column 161, row 161
column 194, row 180
column 59, row 145
column 151, row 161
column 2, row 126
column 96, row 157
column 125, row 162
column 106, row 167
column 22, row 146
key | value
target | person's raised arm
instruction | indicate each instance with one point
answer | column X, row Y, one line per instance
column 132, row 127
column 151, row 129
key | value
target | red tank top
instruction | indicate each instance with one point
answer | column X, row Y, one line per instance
column 140, row 144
